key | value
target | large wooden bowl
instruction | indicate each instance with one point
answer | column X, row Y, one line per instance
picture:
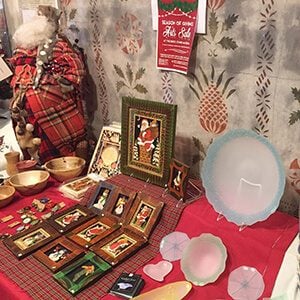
column 65, row 168
column 7, row 193
column 29, row 182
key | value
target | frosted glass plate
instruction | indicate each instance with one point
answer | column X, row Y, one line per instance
column 245, row 283
column 173, row 244
column 243, row 177
column 203, row 260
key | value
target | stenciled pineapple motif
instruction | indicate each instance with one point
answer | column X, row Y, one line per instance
column 217, row 36
column 213, row 112
column 130, row 80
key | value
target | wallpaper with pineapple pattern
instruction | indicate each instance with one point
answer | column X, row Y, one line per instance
column 244, row 73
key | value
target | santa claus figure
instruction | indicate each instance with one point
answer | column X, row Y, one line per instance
column 47, row 86
column 147, row 140
column 143, row 216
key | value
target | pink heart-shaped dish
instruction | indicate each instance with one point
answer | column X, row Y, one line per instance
column 158, row 271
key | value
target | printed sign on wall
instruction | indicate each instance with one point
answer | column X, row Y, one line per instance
column 177, row 21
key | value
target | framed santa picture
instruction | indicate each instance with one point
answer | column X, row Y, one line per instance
column 178, row 179
column 148, row 132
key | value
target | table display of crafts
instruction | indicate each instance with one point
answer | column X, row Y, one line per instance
column 116, row 223
column 203, row 258
column 82, row 243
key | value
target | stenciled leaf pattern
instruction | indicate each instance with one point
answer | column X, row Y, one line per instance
column 296, row 93
column 141, row 89
column 120, row 84
column 227, row 43
column 72, row 14
column 229, row 21
column 295, row 115
column 217, row 28
column 213, row 24
column 167, row 89
column 129, row 73
column 139, row 74
column 119, row 71
column 129, row 79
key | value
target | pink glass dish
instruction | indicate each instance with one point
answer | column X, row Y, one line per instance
column 203, row 259
column 172, row 245
column 158, row 271
column 245, row 283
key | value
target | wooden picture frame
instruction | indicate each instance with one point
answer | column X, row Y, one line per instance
column 120, row 204
column 82, row 273
column 30, row 240
column 119, row 246
column 58, row 254
column 105, row 161
column 178, row 179
column 101, row 197
column 93, row 231
column 148, row 133
column 144, row 215
column 70, row 218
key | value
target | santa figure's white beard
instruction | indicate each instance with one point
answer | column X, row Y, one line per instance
column 31, row 34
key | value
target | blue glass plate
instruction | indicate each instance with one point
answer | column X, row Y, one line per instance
column 243, row 177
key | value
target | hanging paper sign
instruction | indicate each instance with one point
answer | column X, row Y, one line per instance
column 177, row 22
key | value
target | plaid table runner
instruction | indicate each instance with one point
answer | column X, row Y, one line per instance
column 37, row 280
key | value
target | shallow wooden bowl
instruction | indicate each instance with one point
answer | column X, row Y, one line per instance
column 65, row 168
column 6, row 194
column 29, row 182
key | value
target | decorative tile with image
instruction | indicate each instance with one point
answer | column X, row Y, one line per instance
column 144, row 214
column 118, row 246
column 82, row 273
column 178, row 179
column 30, row 240
column 58, row 253
column 120, row 204
column 101, row 197
column 70, row 218
column 93, row 231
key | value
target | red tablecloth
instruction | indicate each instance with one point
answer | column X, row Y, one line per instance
column 261, row 245
column 34, row 278
column 20, row 202
column 8, row 289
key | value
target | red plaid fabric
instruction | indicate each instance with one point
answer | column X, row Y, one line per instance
column 37, row 280
column 57, row 117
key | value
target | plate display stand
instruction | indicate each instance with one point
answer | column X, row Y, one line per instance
column 221, row 216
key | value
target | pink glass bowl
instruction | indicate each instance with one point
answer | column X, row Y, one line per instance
column 203, row 259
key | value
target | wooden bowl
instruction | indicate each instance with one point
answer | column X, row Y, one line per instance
column 7, row 193
column 29, row 182
column 65, row 168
